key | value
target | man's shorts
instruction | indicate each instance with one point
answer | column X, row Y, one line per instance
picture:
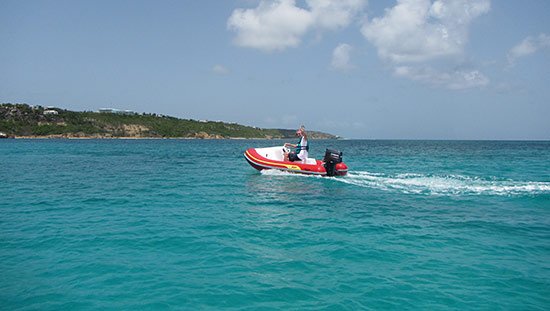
column 292, row 156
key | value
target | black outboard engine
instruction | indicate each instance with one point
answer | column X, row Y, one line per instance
column 332, row 157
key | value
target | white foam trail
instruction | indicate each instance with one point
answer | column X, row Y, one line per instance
column 286, row 173
column 444, row 185
column 433, row 184
column 275, row 173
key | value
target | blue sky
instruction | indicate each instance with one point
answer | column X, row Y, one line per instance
column 411, row 69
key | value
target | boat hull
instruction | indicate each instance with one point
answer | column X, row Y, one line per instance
column 264, row 159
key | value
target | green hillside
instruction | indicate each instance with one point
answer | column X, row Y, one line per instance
column 36, row 121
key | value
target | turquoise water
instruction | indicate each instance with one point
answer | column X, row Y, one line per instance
column 188, row 224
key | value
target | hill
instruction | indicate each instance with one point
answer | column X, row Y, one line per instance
column 36, row 121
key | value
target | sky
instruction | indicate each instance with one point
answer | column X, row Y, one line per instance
column 369, row 69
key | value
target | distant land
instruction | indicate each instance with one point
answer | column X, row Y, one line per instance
column 26, row 121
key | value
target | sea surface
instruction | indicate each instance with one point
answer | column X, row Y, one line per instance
column 188, row 224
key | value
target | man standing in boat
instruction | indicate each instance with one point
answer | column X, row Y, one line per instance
column 302, row 147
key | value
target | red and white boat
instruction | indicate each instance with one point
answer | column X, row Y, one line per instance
column 272, row 158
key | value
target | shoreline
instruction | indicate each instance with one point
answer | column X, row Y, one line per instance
column 37, row 122
column 145, row 138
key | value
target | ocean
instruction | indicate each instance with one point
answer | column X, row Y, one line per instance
column 188, row 224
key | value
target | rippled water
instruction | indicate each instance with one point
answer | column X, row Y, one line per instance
column 160, row 224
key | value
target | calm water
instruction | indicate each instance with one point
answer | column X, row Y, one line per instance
column 188, row 224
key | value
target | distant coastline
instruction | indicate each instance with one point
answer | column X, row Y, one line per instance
column 143, row 137
column 24, row 121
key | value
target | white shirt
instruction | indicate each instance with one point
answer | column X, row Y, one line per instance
column 303, row 153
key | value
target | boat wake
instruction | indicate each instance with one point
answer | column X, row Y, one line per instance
column 445, row 184
column 433, row 184
column 286, row 173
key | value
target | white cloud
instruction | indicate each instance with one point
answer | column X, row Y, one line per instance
column 527, row 47
column 341, row 57
column 415, row 34
column 411, row 36
column 335, row 14
column 271, row 26
column 419, row 30
column 454, row 80
column 219, row 69
column 280, row 24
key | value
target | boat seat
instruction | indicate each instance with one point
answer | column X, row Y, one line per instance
column 311, row 161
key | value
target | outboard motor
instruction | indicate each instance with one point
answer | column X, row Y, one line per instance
column 332, row 157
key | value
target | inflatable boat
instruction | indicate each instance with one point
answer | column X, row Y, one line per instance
column 272, row 158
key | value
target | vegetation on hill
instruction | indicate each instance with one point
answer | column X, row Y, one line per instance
column 25, row 120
